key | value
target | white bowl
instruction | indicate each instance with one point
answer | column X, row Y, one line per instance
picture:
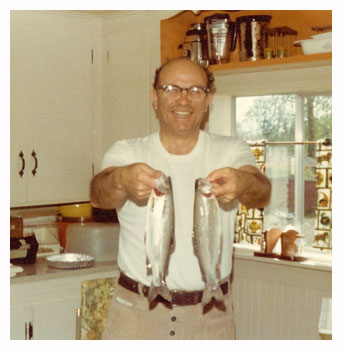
column 327, row 35
column 311, row 46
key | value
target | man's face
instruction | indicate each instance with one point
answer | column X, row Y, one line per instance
column 181, row 116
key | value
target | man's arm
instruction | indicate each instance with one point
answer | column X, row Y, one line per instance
column 114, row 185
column 248, row 184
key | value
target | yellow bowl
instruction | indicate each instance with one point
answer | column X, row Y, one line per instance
column 84, row 210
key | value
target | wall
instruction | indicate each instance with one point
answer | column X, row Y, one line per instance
column 275, row 299
column 287, row 80
column 130, row 54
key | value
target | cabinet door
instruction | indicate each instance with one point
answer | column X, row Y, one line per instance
column 52, row 78
column 55, row 321
column 20, row 320
column 19, row 103
column 126, row 99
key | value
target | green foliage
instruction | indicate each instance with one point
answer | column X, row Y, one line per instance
column 272, row 118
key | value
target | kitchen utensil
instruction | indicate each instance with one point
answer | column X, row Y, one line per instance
column 72, row 213
column 99, row 240
column 279, row 41
column 221, row 37
column 288, row 247
column 195, row 44
column 271, row 237
column 251, row 36
column 311, row 46
column 70, row 261
column 76, row 210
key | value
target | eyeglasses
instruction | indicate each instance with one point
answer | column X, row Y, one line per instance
column 195, row 93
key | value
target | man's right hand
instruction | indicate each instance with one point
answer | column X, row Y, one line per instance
column 114, row 185
column 138, row 179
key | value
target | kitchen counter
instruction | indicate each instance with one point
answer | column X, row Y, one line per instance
column 40, row 271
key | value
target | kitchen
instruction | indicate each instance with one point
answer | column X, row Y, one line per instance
column 72, row 95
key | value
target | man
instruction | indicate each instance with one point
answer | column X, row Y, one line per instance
column 181, row 96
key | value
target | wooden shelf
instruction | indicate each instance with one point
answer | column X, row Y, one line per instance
column 172, row 33
column 298, row 61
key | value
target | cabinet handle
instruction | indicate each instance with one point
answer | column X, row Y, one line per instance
column 78, row 324
column 21, row 172
column 30, row 331
column 34, row 171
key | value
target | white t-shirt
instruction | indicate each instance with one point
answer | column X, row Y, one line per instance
column 211, row 152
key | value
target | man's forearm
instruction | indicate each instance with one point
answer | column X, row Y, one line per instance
column 106, row 191
column 258, row 190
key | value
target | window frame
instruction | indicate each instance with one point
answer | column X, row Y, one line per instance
column 298, row 142
column 310, row 79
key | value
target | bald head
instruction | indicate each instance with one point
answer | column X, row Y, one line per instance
column 183, row 61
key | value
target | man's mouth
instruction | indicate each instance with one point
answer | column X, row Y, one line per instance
column 182, row 113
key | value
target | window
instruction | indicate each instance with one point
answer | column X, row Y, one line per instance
column 291, row 125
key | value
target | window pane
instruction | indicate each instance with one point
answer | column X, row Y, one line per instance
column 270, row 118
column 280, row 170
column 318, row 118
column 309, row 194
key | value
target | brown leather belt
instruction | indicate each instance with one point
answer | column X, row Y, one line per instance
column 178, row 298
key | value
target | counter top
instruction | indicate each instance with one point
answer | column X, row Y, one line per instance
column 41, row 271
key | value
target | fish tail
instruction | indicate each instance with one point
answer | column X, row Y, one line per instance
column 159, row 290
column 210, row 292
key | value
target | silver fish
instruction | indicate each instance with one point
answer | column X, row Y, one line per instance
column 159, row 236
column 207, row 239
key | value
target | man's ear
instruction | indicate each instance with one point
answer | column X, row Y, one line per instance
column 209, row 98
column 154, row 98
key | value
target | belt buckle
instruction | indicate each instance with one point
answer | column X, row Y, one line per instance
column 197, row 297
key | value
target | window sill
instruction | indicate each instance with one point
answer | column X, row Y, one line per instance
column 316, row 260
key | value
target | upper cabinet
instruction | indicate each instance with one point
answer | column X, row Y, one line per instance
column 304, row 22
column 52, row 101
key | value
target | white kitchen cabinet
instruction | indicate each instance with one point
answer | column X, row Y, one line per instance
column 47, row 304
column 50, row 320
column 21, row 320
column 52, row 98
column 55, row 320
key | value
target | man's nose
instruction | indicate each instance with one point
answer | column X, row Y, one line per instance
column 184, row 96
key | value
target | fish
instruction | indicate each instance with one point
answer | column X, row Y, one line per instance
column 159, row 236
column 207, row 239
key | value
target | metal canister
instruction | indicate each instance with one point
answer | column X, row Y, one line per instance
column 251, row 36
column 221, row 37
column 195, row 44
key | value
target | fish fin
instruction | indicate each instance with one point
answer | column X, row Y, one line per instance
column 212, row 292
column 161, row 290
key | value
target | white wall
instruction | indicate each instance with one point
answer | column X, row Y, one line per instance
column 130, row 54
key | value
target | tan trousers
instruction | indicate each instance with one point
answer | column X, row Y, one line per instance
column 130, row 317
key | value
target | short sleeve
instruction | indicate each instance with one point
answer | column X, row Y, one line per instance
column 240, row 153
column 121, row 153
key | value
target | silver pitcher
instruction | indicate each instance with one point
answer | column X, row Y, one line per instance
column 221, row 37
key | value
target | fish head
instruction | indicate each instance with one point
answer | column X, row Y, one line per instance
column 164, row 184
column 203, row 186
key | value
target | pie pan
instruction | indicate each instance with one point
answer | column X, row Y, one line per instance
column 70, row 261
